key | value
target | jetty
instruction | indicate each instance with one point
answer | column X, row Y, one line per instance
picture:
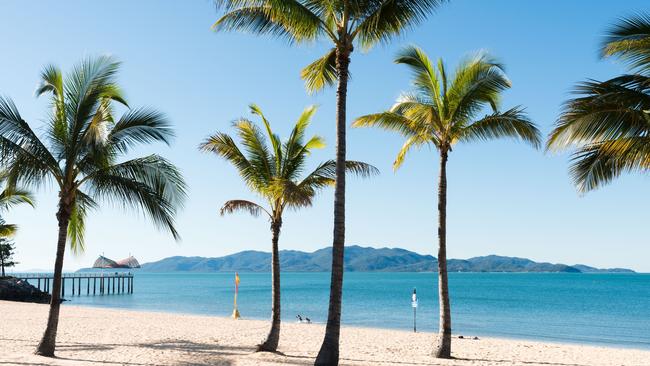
column 98, row 283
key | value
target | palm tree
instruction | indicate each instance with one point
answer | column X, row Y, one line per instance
column 342, row 23
column 609, row 121
column 441, row 113
column 79, row 152
column 274, row 174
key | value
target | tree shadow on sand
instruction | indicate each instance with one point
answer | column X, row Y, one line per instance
column 187, row 352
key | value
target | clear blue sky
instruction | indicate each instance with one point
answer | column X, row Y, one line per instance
column 504, row 197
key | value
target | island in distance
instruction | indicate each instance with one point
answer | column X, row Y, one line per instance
column 361, row 259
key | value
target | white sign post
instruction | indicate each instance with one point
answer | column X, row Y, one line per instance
column 414, row 304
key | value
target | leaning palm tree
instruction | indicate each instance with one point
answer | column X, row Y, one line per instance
column 609, row 121
column 442, row 112
column 343, row 24
column 274, row 173
column 80, row 153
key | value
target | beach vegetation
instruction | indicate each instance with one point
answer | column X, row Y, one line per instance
column 81, row 152
column 343, row 25
column 273, row 169
column 442, row 111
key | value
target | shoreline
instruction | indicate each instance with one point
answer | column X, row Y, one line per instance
column 640, row 346
column 133, row 337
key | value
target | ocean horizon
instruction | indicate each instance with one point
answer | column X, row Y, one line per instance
column 609, row 309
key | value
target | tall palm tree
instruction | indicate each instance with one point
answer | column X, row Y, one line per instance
column 342, row 23
column 609, row 121
column 442, row 112
column 274, row 173
column 79, row 152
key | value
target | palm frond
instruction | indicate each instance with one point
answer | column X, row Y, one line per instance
column 604, row 111
column 7, row 230
column 252, row 208
column 19, row 142
column 11, row 197
column 597, row 164
column 275, row 139
column 140, row 126
column 425, row 77
column 288, row 19
column 325, row 173
column 320, row 73
column 478, row 81
column 295, row 150
column 257, row 151
column 151, row 184
column 513, row 123
column 390, row 121
column 361, row 169
column 411, row 142
column 629, row 39
column 77, row 225
column 384, row 19
column 224, row 146
column 90, row 87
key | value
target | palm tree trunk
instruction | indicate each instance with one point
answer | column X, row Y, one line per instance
column 443, row 349
column 48, row 342
column 329, row 351
column 273, row 338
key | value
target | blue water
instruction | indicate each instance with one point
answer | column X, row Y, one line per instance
column 607, row 309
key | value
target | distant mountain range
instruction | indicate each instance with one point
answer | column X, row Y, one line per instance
column 361, row 259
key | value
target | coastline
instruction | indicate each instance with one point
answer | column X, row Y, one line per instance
column 640, row 346
column 93, row 335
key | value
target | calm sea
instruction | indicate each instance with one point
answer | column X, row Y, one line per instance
column 606, row 309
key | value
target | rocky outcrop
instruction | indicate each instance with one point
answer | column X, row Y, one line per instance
column 13, row 289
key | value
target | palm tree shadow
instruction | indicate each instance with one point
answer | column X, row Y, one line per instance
column 192, row 353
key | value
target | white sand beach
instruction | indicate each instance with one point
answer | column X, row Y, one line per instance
column 92, row 336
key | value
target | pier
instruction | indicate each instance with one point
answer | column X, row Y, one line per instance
column 102, row 283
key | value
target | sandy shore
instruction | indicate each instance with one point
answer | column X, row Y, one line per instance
column 91, row 336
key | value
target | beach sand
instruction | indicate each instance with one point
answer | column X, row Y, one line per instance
column 95, row 336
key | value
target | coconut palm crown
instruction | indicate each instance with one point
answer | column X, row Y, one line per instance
column 608, row 123
column 80, row 153
column 273, row 170
column 443, row 111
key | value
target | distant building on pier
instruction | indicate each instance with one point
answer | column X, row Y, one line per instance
column 103, row 262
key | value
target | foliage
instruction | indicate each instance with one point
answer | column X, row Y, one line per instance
column 273, row 168
column 9, row 198
column 609, row 121
column 341, row 22
column 7, row 249
column 83, row 141
column 442, row 111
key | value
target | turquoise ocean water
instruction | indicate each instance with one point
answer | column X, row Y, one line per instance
column 605, row 309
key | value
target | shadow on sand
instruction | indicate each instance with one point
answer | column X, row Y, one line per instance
column 193, row 353
column 189, row 353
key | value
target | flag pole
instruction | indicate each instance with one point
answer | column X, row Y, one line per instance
column 235, row 312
